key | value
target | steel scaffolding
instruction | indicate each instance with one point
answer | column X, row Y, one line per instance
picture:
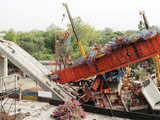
column 8, row 86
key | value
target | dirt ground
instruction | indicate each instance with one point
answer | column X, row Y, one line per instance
column 33, row 110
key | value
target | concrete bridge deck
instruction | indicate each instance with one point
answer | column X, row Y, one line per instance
column 34, row 69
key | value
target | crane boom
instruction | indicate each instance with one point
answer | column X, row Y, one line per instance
column 74, row 30
column 145, row 19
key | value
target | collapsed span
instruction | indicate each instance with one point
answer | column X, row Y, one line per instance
column 32, row 68
column 142, row 48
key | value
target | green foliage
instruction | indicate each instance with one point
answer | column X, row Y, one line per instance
column 10, row 35
column 107, row 34
column 87, row 35
column 40, row 44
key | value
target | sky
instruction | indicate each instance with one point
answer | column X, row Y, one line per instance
column 26, row 15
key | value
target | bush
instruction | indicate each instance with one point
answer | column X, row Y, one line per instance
column 69, row 111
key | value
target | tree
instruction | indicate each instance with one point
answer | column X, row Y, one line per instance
column 50, row 37
column 10, row 35
column 106, row 35
column 87, row 35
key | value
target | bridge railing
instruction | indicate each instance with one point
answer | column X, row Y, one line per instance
column 8, row 83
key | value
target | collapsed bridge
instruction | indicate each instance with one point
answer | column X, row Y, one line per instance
column 33, row 68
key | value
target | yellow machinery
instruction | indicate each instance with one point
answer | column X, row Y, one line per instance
column 157, row 61
column 74, row 30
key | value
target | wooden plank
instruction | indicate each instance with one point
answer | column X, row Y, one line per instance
column 29, row 97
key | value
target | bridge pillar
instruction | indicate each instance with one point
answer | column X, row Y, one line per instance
column 3, row 66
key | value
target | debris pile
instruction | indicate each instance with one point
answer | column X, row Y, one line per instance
column 119, row 42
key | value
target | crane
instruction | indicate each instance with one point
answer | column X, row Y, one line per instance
column 130, row 50
column 74, row 30
column 157, row 57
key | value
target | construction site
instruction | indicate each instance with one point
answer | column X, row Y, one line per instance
column 106, row 82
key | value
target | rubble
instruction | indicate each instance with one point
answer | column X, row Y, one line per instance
column 32, row 110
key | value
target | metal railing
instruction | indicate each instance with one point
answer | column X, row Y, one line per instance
column 8, row 86
column 8, row 83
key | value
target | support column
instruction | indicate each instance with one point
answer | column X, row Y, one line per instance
column 3, row 66
column 3, row 70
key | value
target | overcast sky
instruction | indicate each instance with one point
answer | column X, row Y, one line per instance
column 24, row 15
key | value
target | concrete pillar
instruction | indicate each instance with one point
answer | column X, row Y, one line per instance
column 3, row 66
column 20, row 94
column 3, row 70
